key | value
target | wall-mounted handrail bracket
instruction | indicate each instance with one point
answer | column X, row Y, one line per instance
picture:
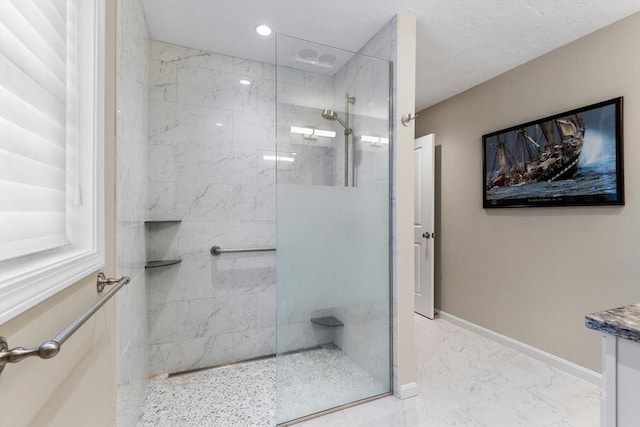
column 407, row 119
column 3, row 348
column 103, row 281
column 217, row 250
column 51, row 348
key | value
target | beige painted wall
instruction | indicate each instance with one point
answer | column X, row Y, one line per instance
column 77, row 387
column 532, row 274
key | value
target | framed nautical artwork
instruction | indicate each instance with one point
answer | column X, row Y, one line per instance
column 568, row 159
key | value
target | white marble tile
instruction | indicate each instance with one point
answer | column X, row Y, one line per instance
column 162, row 201
column 132, row 171
column 204, row 164
column 162, row 163
column 179, row 54
column 130, row 249
column 254, row 343
column 197, row 238
column 163, row 81
column 266, row 233
column 189, row 124
column 222, row 89
column 517, row 407
column 132, row 186
column 245, row 67
column 164, row 323
column 254, row 130
column 212, row 202
column 587, row 417
column 189, row 354
column 188, row 280
column 269, row 71
column 254, row 280
column 132, row 309
column 267, row 310
column 266, row 96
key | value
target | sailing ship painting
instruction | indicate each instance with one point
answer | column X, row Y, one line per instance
column 572, row 158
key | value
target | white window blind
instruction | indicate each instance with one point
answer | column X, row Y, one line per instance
column 52, row 91
column 36, row 108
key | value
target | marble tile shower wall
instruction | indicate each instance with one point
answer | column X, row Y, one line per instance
column 365, row 336
column 132, row 148
column 208, row 139
column 384, row 46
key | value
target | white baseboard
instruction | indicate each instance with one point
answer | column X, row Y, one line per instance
column 408, row 390
column 543, row 356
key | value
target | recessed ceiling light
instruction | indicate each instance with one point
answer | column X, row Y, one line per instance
column 263, row 30
column 220, row 124
column 245, row 82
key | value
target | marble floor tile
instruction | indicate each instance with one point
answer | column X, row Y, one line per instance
column 463, row 380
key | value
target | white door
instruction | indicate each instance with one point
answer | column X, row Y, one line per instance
column 423, row 228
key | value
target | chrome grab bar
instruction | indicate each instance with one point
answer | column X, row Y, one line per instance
column 51, row 348
column 217, row 250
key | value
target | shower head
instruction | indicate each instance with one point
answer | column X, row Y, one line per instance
column 329, row 114
column 332, row 115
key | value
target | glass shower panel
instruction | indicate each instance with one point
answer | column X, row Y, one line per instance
column 332, row 220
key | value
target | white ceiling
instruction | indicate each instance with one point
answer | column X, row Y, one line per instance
column 461, row 43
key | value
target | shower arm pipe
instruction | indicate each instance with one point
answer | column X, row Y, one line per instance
column 51, row 348
column 217, row 250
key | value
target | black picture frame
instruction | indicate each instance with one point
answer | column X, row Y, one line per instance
column 581, row 166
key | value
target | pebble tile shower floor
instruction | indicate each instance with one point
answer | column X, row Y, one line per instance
column 463, row 380
column 243, row 394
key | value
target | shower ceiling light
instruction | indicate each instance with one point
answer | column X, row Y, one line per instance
column 245, row 82
column 374, row 140
column 309, row 132
column 301, row 131
column 279, row 158
column 325, row 133
column 371, row 139
column 263, row 30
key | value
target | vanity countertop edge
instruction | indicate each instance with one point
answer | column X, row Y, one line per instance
column 623, row 322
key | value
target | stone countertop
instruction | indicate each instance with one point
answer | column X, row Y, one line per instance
column 623, row 322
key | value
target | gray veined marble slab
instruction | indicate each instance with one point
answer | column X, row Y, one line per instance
column 623, row 322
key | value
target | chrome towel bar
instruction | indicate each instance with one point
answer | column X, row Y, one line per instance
column 51, row 348
column 217, row 250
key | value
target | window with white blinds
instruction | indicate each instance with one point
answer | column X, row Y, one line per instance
column 51, row 131
column 36, row 47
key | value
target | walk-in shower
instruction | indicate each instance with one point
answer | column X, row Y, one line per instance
column 266, row 287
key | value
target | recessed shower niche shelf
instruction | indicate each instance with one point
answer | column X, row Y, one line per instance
column 167, row 262
column 162, row 221
column 327, row 321
column 164, row 263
